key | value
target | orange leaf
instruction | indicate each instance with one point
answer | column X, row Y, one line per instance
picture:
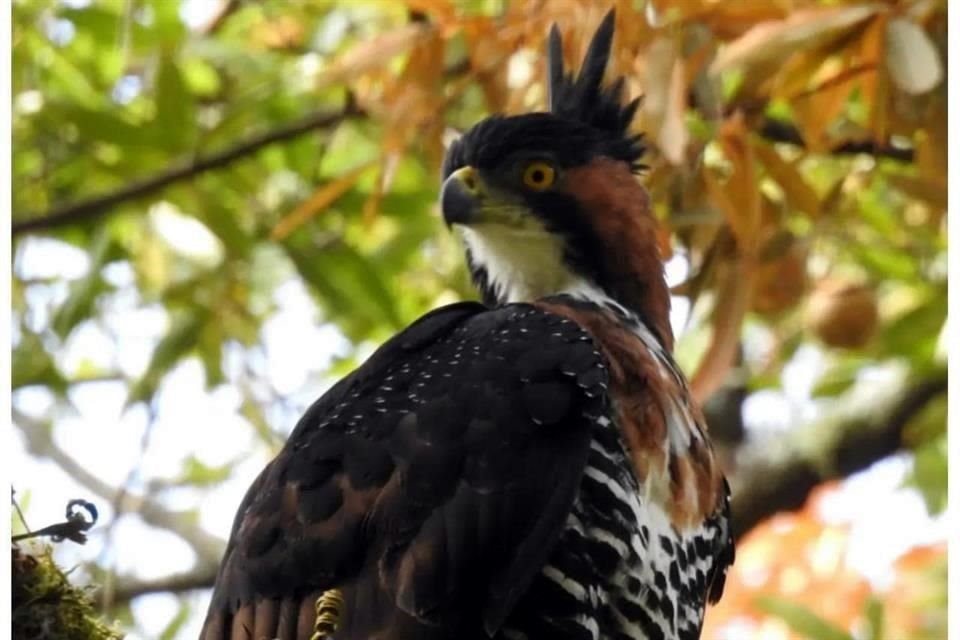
column 818, row 111
column 673, row 135
column 718, row 196
column 870, row 53
column 742, row 188
column 372, row 54
column 876, row 87
column 388, row 169
column 439, row 10
column 733, row 297
column 798, row 193
column 932, row 146
column 929, row 191
column 660, row 57
column 774, row 40
column 321, row 199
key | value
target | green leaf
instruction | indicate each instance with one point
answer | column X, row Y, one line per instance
column 801, row 619
column 179, row 341
column 173, row 628
column 201, row 77
column 101, row 23
column 929, row 474
column 174, row 124
column 353, row 292
column 166, row 25
column 79, row 304
column 874, row 615
column 839, row 377
column 914, row 333
column 253, row 412
column 99, row 125
column 887, row 262
column 199, row 474
column 32, row 365
column 211, row 354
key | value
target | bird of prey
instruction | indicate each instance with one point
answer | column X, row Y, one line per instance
column 528, row 467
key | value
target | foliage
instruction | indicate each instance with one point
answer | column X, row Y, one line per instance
column 46, row 606
column 797, row 161
column 792, row 581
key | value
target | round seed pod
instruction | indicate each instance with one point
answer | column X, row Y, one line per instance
column 842, row 313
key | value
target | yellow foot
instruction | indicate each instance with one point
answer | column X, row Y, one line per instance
column 329, row 605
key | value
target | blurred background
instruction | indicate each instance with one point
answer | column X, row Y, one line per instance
column 221, row 206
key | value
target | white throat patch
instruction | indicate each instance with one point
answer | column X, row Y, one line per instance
column 523, row 265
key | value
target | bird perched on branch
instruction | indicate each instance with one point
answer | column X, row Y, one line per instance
column 531, row 467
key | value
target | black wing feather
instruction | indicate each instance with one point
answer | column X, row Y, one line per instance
column 429, row 486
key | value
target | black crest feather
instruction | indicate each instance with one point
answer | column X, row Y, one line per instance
column 585, row 99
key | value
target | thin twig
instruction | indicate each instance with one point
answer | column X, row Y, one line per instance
column 40, row 443
column 784, row 132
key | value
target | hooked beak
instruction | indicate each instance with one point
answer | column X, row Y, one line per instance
column 462, row 196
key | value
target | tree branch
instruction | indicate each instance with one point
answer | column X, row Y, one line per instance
column 780, row 131
column 774, row 477
column 182, row 170
column 126, row 588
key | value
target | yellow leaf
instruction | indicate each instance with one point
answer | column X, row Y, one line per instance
column 321, row 199
column 660, row 57
column 931, row 146
column 911, row 58
column 816, row 112
column 673, row 135
column 934, row 193
column 798, row 193
column 388, row 169
column 733, row 297
column 438, row 10
column 719, row 197
column 774, row 40
column 730, row 19
column 742, row 188
column 372, row 54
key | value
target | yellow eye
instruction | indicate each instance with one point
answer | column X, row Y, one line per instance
column 539, row 176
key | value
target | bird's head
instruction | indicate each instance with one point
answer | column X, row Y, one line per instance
column 548, row 203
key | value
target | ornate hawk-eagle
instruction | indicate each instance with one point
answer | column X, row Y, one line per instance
column 530, row 467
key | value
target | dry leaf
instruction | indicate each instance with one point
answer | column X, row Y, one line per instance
column 911, row 58
column 321, row 199
column 660, row 58
column 732, row 294
column 673, row 135
column 439, row 11
column 372, row 54
column 719, row 197
column 388, row 169
column 730, row 19
column 931, row 146
column 743, row 188
column 929, row 191
column 798, row 193
column 802, row 29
